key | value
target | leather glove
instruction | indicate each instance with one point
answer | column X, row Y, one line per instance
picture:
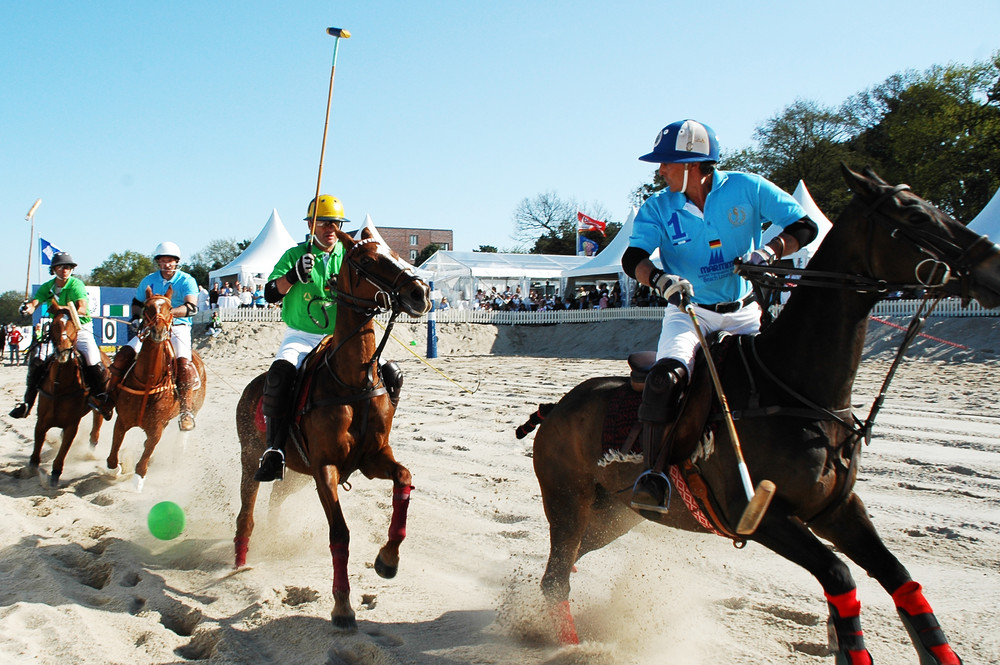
column 302, row 270
column 135, row 325
column 764, row 256
column 23, row 309
column 670, row 287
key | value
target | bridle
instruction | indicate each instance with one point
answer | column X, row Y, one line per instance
column 945, row 262
column 161, row 319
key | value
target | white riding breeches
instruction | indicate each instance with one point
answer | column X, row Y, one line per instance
column 296, row 345
column 679, row 340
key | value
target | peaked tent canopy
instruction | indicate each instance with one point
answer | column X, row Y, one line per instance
column 255, row 263
column 607, row 265
column 801, row 257
column 370, row 225
column 987, row 222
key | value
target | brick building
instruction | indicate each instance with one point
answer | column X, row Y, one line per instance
column 409, row 242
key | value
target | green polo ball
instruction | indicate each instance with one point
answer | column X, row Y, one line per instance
column 166, row 520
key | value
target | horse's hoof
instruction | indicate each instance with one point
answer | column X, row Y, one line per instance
column 114, row 472
column 384, row 570
column 345, row 623
column 138, row 481
column 54, row 481
column 92, row 452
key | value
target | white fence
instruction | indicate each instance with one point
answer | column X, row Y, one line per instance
column 949, row 307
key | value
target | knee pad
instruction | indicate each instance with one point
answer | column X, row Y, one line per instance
column 278, row 386
column 666, row 374
column 392, row 377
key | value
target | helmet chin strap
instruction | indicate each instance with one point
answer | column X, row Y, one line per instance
column 684, row 185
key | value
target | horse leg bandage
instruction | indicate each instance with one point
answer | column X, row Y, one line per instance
column 340, row 581
column 400, row 504
column 921, row 624
column 845, row 619
column 242, row 544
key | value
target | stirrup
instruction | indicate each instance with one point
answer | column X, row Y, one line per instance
column 654, row 477
column 185, row 421
column 269, row 468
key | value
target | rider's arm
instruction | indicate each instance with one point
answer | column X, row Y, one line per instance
column 636, row 264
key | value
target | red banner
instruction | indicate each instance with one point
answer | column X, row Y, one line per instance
column 586, row 223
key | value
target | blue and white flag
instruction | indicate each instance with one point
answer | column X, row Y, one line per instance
column 47, row 249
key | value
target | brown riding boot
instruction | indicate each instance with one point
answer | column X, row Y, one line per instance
column 96, row 378
column 187, row 380
column 660, row 401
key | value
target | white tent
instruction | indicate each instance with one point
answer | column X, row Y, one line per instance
column 458, row 275
column 370, row 225
column 801, row 257
column 987, row 222
column 253, row 266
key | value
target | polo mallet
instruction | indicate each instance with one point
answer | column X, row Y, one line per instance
column 757, row 502
column 31, row 245
column 337, row 34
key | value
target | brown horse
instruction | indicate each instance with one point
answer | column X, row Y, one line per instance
column 790, row 387
column 345, row 412
column 63, row 393
column 147, row 396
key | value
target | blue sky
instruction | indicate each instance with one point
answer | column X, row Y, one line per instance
column 137, row 122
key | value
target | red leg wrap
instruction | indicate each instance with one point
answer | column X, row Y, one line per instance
column 845, row 612
column 242, row 545
column 921, row 623
column 340, row 581
column 400, row 504
column 565, row 624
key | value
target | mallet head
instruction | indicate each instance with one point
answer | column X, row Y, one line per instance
column 339, row 32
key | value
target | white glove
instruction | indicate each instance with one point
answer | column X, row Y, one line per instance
column 135, row 325
column 23, row 309
column 302, row 270
column 764, row 256
column 670, row 287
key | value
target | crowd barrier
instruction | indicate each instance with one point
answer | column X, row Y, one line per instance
column 949, row 307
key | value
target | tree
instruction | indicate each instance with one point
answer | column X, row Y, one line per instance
column 426, row 253
column 10, row 301
column 549, row 223
column 124, row 269
column 215, row 255
column 486, row 248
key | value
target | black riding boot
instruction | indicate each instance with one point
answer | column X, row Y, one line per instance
column 96, row 378
column 392, row 378
column 660, row 400
column 277, row 403
column 36, row 371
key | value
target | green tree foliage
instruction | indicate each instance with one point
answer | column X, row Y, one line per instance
column 124, row 269
column 426, row 253
column 216, row 254
column 489, row 249
column 10, row 301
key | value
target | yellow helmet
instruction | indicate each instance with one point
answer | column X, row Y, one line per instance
column 330, row 210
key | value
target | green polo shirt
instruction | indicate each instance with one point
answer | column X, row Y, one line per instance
column 303, row 306
column 73, row 291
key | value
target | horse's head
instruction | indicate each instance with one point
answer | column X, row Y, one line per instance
column 157, row 315
column 63, row 329
column 372, row 273
column 928, row 248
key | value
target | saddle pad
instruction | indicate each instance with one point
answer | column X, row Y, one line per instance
column 622, row 414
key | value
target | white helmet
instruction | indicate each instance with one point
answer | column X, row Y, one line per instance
column 167, row 249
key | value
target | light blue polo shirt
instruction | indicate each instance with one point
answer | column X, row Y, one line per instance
column 701, row 248
column 183, row 285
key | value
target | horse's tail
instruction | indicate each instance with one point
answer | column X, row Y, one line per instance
column 534, row 420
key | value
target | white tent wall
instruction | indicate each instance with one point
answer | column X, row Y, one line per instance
column 254, row 264
column 458, row 275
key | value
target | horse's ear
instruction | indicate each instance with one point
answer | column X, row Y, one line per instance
column 54, row 304
column 366, row 233
column 149, row 292
column 344, row 237
column 866, row 185
column 170, row 292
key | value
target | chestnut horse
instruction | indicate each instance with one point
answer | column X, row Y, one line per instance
column 345, row 413
column 147, row 397
column 790, row 387
column 62, row 399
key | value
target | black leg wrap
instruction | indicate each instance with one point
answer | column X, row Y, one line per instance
column 846, row 632
column 278, row 388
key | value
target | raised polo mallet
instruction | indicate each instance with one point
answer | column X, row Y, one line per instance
column 757, row 502
column 337, row 34
column 31, row 246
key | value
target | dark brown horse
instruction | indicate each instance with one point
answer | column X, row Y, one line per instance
column 147, row 396
column 345, row 412
column 63, row 393
column 791, row 388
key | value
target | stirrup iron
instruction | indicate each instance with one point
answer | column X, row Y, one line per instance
column 662, row 509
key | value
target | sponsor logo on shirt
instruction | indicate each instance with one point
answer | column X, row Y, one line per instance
column 737, row 216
